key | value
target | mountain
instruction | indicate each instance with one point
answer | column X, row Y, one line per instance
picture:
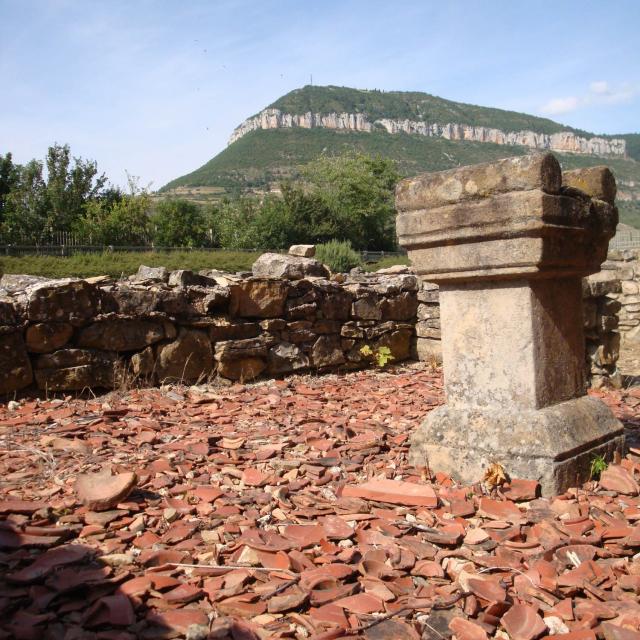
column 419, row 131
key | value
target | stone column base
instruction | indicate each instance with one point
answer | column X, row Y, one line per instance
column 554, row 445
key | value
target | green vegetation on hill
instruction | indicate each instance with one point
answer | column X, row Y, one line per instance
column 411, row 105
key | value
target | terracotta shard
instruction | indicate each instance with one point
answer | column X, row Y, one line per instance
column 394, row 492
column 103, row 491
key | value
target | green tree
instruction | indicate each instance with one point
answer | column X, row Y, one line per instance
column 69, row 187
column 179, row 223
column 9, row 178
column 116, row 218
column 358, row 190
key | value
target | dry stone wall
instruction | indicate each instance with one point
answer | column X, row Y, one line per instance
column 181, row 326
column 624, row 266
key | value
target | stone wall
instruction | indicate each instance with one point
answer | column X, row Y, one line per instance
column 625, row 267
column 159, row 327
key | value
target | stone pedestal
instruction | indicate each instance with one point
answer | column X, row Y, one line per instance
column 508, row 246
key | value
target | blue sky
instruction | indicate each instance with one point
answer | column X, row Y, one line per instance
column 155, row 87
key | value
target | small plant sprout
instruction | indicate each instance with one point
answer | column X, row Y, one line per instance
column 381, row 355
column 598, row 465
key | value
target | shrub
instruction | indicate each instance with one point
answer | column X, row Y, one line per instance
column 338, row 255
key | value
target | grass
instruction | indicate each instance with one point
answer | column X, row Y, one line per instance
column 125, row 263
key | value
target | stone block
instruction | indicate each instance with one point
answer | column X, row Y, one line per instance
column 75, row 370
column 554, row 445
column 225, row 329
column 44, row 337
column 258, row 298
column 160, row 274
column 596, row 182
column 15, row 366
column 366, row 307
column 302, row 250
column 244, row 369
column 404, row 306
column 143, row 364
column 429, row 350
column 73, row 301
column 188, row 359
column 276, row 265
column 286, row 358
column 124, row 334
column 327, row 352
column 471, row 183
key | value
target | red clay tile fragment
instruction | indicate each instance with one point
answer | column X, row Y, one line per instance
column 520, row 490
column 361, row 603
column 487, row 588
column 113, row 610
column 522, row 622
column 617, row 478
column 102, row 491
column 48, row 561
column 392, row 630
column 612, row 631
column 467, row 630
column 394, row 492
column 287, row 601
column 21, row 506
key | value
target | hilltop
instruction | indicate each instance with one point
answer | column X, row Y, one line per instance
column 419, row 131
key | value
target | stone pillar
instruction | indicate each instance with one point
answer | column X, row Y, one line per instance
column 508, row 245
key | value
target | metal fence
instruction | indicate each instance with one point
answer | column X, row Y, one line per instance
column 73, row 249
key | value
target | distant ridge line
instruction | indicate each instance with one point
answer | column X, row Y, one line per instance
column 562, row 141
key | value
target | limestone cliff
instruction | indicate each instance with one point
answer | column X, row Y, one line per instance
column 564, row 141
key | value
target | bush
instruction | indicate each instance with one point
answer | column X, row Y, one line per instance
column 179, row 223
column 338, row 255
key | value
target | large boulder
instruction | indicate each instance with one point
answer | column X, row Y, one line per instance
column 67, row 300
column 276, row 265
column 125, row 334
column 75, row 369
column 16, row 282
column 15, row 366
column 187, row 359
column 258, row 298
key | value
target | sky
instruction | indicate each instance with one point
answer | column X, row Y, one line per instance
column 154, row 88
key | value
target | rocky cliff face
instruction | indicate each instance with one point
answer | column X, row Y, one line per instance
column 565, row 141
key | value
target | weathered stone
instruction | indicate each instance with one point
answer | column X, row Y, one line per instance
column 429, row 350
column 187, row 359
column 132, row 300
column 187, row 278
column 75, row 369
column 509, row 269
column 335, row 305
column 401, row 307
column 44, row 337
column 302, row 250
column 143, row 363
column 124, row 334
column 286, row 357
column 596, row 182
column 15, row 366
column 607, row 351
column 73, row 301
column 399, row 343
column 243, row 369
column 16, row 282
column 258, row 298
column 394, row 270
column 216, row 298
column 235, row 349
column 366, row 307
column 600, row 284
column 523, row 173
column 326, row 352
column 276, row 265
column 7, row 312
column 151, row 273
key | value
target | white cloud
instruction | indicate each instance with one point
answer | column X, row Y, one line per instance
column 598, row 87
column 560, row 105
column 599, row 93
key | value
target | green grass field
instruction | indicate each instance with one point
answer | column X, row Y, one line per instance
column 125, row 263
